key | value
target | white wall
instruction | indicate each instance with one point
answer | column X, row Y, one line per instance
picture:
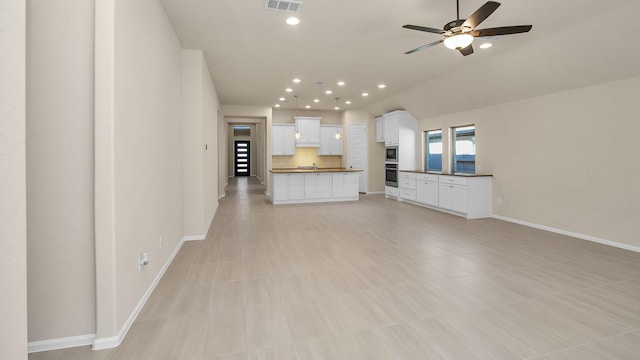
column 60, row 169
column 138, row 156
column 192, row 151
column 148, row 151
column 566, row 160
column 13, row 218
column 200, row 148
column 210, row 137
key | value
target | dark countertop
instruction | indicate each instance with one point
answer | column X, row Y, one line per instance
column 296, row 170
column 447, row 174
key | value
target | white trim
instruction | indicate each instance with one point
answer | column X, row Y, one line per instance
column 569, row 233
column 111, row 342
column 375, row 193
column 61, row 343
column 203, row 236
column 222, row 196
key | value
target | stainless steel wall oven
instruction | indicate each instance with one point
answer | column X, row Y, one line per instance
column 391, row 174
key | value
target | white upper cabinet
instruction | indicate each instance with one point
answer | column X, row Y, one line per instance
column 283, row 139
column 309, row 130
column 391, row 131
column 380, row 129
column 329, row 145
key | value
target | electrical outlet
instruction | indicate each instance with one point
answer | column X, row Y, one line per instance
column 161, row 241
column 499, row 201
column 143, row 261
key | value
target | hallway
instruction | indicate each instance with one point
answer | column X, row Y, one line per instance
column 378, row 279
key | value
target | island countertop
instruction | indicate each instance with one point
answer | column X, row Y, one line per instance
column 320, row 169
column 447, row 173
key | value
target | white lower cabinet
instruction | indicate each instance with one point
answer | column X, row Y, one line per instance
column 344, row 185
column 427, row 189
column 296, row 188
column 287, row 187
column 407, row 186
column 317, row 186
column 453, row 197
column 469, row 196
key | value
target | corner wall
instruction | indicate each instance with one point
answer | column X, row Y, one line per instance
column 199, row 143
column 60, row 170
column 139, row 192
column 148, row 151
column 13, row 216
column 563, row 160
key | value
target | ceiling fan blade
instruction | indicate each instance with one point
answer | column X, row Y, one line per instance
column 481, row 14
column 424, row 28
column 466, row 51
column 424, row 46
column 505, row 30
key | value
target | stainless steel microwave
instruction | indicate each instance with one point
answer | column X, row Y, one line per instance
column 391, row 154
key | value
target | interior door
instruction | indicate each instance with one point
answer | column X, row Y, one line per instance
column 358, row 153
column 242, row 158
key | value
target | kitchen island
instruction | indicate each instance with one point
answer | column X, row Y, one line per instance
column 313, row 185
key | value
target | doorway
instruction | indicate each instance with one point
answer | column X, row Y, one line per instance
column 358, row 153
column 242, row 158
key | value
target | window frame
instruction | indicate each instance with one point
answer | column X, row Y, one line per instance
column 426, row 150
column 454, row 161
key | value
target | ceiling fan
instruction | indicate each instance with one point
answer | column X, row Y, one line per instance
column 459, row 34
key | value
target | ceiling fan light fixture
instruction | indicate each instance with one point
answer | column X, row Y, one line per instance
column 458, row 41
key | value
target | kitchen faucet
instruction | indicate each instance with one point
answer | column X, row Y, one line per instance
column 315, row 167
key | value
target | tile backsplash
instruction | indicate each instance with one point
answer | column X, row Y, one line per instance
column 305, row 157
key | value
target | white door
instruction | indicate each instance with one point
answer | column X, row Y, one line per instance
column 358, row 153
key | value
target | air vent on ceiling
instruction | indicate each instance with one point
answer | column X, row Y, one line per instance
column 283, row 5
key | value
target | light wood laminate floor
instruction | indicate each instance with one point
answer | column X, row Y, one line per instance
column 378, row 279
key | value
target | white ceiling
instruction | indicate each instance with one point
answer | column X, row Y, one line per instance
column 253, row 55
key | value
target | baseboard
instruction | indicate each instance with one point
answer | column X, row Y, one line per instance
column 114, row 341
column 222, row 196
column 62, row 343
column 569, row 233
column 203, row 236
column 375, row 193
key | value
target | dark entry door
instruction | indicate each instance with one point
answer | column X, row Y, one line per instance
column 242, row 158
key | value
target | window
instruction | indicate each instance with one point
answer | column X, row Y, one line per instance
column 433, row 150
column 464, row 149
column 242, row 130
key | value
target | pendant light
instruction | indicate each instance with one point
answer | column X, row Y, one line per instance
column 337, row 107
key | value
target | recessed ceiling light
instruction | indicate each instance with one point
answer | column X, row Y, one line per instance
column 316, row 100
column 336, row 108
column 277, row 105
column 293, row 21
column 382, row 86
column 307, row 107
column 340, row 83
column 289, row 89
column 486, row 45
column 296, row 80
column 282, row 99
column 348, row 102
column 328, row 92
column 365, row 94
